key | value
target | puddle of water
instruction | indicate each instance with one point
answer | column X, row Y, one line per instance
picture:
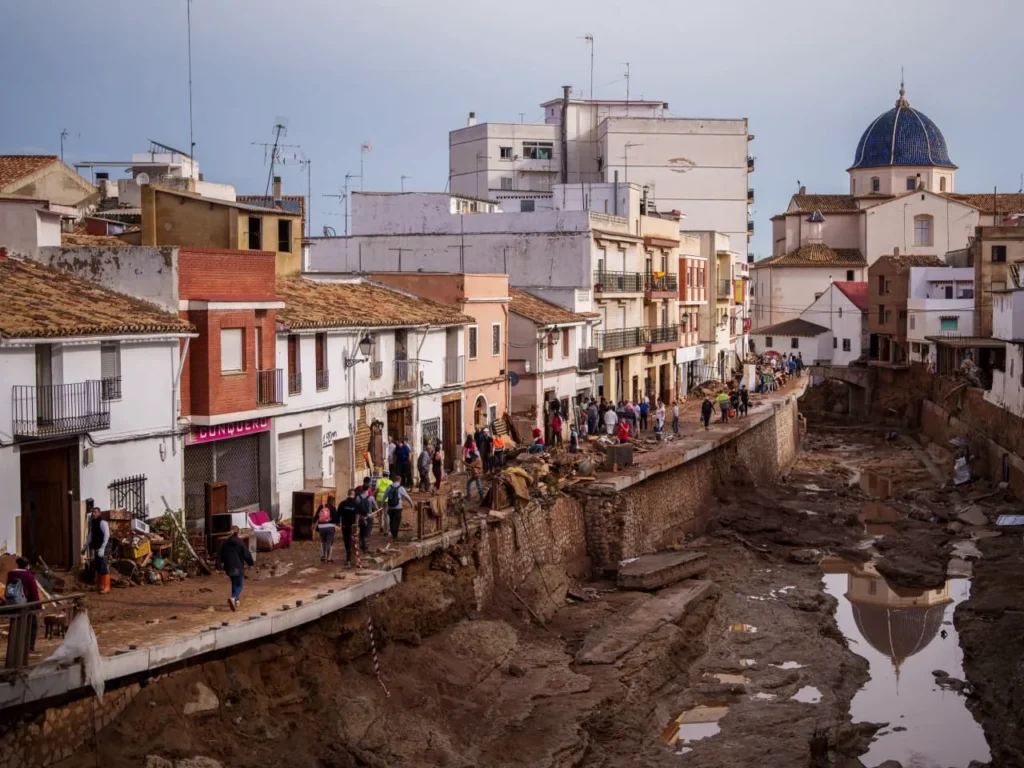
column 874, row 484
column 695, row 724
column 808, row 695
column 790, row 665
column 725, row 677
column 697, row 731
column 747, row 662
column 903, row 635
column 875, row 517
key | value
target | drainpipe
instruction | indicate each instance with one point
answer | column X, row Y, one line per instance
column 615, row 193
column 175, row 388
column 566, row 89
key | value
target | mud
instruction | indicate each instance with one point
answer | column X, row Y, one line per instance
column 760, row 673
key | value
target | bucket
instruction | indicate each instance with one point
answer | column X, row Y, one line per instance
column 732, row 413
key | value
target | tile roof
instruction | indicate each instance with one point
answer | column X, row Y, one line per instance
column 14, row 167
column 39, row 301
column 986, row 202
column 540, row 311
column 857, row 292
column 84, row 238
column 796, row 327
column 908, row 260
column 313, row 304
column 815, row 255
column 288, row 203
column 823, row 203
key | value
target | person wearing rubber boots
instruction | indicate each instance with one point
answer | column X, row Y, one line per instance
column 98, row 540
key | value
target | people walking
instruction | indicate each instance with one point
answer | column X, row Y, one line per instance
column 403, row 458
column 659, row 418
column 423, row 468
column 498, row 461
column 438, row 467
column 468, row 447
column 645, row 406
column 232, row 558
column 378, row 494
column 556, row 429
column 347, row 513
column 395, row 496
column 675, row 418
column 391, row 467
column 707, row 410
column 326, row 526
column 723, row 404
column 610, row 420
column 574, row 440
column 485, row 444
column 365, row 505
column 744, row 400
column 474, row 470
column 592, row 418
column 98, row 541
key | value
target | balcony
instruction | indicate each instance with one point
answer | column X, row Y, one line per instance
column 724, row 290
column 454, row 370
column 618, row 282
column 111, row 388
column 750, row 228
column 663, row 285
column 270, row 387
column 616, row 341
column 407, row 375
column 294, row 383
column 323, row 380
column 750, row 163
column 588, row 359
column 54, row 410
column 376, row 369
column 661, row 337
column 750, row 197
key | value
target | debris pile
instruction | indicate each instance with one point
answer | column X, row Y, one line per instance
column 149, row 554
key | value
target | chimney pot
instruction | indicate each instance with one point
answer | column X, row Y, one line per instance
column 896, row 250
column 471, row 121
column 277, row 188
column 803, row 190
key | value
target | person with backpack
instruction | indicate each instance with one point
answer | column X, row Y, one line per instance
column 23, row 588
column 326, row 526
column 393, row 499
column 707, row 410
column 365, row 505
column 347, row 512
column 233, row 556
column 98, row 540
column 474, row 470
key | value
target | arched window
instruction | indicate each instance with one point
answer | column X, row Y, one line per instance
column 923, row 230
column 876, row 184
column 942, row 184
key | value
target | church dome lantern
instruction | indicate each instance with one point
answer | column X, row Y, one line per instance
column 902, row 136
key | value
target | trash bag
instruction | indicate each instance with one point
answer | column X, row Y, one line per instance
column 79, row 645
column 961, row 471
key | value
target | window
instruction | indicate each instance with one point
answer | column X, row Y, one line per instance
column 835, row 342
column 922, row 230
column 902, row 316
column 527, row 206
column 876, row 185
column 255, row 233
column 881, row 285
column 912, row 322
column 129, row 494
column 949, row 323
column 840, row 313
column 911, row 183
column 565, row 342
column 849, row 275
column 294, row 361
column 322, row 381
column 492, row 414
column 495, row 339
column 258, row 348
column 472, row 342
column 505, row 153
column 552, row 339
column 537, row 150
column 767, row 342
column 230, row 350
column 284, row 235
column 506, row 182
column 942, row 184
column 998, row 253
column 846, row 345
column 794, row 343
column 110, row 370
column 881, row 313
column 888, row 286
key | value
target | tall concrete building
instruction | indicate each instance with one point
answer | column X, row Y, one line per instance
column 697, row 166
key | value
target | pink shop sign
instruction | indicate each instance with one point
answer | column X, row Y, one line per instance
column 225, row 431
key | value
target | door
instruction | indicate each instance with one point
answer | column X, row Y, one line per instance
column 216, row 504
column 47, row 499
column 398, row 419
column 343, row 479
column 290, row 470
column 451, row 433
column 479, row 412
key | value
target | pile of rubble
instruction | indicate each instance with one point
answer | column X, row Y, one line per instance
column 149, row 554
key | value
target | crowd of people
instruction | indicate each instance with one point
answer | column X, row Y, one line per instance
column 773, row 370
column 627, row 418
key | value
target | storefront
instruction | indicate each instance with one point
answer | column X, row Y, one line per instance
column 231, row 453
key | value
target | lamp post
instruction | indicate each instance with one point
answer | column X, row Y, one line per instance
column 365, row 348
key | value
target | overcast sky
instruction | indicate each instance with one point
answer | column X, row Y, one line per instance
column 810, row 76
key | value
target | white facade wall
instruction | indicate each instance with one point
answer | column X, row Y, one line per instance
column 1008, row 385
column 834, row 310
column 26, row 225
column 839, row 230
column 890, row 225
column 892, row 180
column 1008, row 315
column 783, row 293
column 812, row 348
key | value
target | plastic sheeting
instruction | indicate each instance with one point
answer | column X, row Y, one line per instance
column 79, row 645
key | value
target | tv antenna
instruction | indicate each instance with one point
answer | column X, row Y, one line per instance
column 306, row 164
column 272, row 150
column 589, row 39
column 63, row 135
column 191, row 137
column 343, row 197
column 363, row 149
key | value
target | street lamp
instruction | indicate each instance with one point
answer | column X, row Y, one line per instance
column 365, row 348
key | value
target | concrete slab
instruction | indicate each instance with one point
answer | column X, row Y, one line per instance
column 607, row 645
column 661, row 569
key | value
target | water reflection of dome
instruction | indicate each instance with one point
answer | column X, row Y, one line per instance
column 898, row 633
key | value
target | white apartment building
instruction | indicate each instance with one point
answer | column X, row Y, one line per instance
column 940, row 302
column 89, row 392
column 698, row 166
column 1008, row 325
column 622, row 265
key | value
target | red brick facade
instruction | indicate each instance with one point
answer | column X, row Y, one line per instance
column 225, row 275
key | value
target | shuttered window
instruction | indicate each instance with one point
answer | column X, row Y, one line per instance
column 110, row 370
column 230, row 350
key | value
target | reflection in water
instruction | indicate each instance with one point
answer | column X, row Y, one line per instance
column 898, row 631
column 875, row 516
column 874, row 484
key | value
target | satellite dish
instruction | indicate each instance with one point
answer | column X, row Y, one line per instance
column 513, row 378
column 142, row 179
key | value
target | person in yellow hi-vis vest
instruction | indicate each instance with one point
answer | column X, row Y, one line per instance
column 382, row 488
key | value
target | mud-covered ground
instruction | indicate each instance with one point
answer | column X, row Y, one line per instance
column 504, row 688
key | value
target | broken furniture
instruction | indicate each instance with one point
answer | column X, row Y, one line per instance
column 269, row 535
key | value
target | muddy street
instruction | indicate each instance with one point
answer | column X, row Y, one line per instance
column 821, row 633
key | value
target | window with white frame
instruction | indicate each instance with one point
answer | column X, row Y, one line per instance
column 506, row 182
column 472, row 341
column 110, row 370
column 230, row 350
column 538, row 150
column 495, row 339
column 505, row 153
column 922, row 230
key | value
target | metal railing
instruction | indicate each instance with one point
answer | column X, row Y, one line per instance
column 666, row 282
column 588, row 360
column 323, row 379
column 625, row 338
column 750, row 162
column 662, row 334
column 24, row 620
column 407, row 375
column 376, row 369
column 269, row 387
column 58, row 409
column 724, row 288
column 111, row 388
column 454, row 369
column 295, row 383
column 618, row 282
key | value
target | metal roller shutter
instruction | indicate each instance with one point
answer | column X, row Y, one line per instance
column 290, row 470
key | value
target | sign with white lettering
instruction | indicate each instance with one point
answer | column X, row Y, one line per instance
column 225, row 431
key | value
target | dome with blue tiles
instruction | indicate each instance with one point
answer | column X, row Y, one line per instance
column 902, row 136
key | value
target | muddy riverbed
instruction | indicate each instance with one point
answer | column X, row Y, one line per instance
column 828, row 640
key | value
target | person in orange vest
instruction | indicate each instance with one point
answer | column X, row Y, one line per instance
column 499, row 452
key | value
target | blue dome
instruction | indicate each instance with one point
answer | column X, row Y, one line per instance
column 901, row 136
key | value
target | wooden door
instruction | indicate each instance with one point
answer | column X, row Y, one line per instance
column 303, row 506
column 46, row 506
column 451, row 433
column 342, row 467
column 397, row 423
column 216, row 504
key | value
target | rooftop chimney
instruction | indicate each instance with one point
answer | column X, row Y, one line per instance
column 471, row 120
column 803, row 190
column 896, row 251
column 277, row 189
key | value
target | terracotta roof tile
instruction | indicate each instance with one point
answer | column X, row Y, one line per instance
column 855, row 292
column 908, row 260
column 796, row 327
column 823, row 203
column 13, row 167
column 38, row 301
column 540, row 311
column 987, row 203
column 815, row 255
column 313, row 304
column 84, row 238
